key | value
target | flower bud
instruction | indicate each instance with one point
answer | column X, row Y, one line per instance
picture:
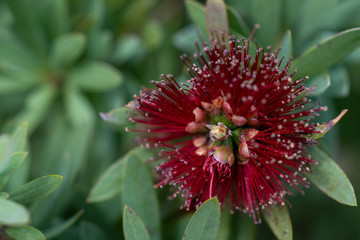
column 194, row 127
column 219, row 132
column 224, row 155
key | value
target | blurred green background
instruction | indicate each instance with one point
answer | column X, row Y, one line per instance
column 62, row 62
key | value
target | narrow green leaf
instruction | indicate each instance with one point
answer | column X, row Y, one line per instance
column 12, row 213
column 268, row 15
column 204, row 224
column 4, row 195
column 236, row 23
column 36, row 106
column 6, row 149
column 24, row 233
column 324, row 128
column 278, row 219
column 63, row 226
column 96, row 77
column 90, row 231
column 286, row 48
column 14, row 163
column 196, row 13
column 36, row 190
column 109, row 183
column 140, row 194
column 319, row 58
column 330, row 179
column 134, row 227
column 322, row 83
column 216, row 17
column 118, row 116
column 67, row 49
column 19, row 137
column 9, row 86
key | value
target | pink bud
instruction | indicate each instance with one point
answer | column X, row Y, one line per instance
column 238, row 120
column 200, row 115
column 194, row 127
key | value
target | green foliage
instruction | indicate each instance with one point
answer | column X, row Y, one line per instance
column 134, row 228
column 278, row 219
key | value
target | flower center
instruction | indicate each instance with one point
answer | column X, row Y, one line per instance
column 219, row 132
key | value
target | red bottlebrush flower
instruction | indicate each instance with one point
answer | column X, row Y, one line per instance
column 237, row 130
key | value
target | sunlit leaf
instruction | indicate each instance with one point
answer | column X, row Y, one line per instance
column 96, row 77
column 134, row 227
column 278, row 219
column 36, row 190
column 204, row 224
column 13, row 214
column 330, row 179
column 24, row 232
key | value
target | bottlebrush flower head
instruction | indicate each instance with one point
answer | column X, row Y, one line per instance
column 238, row 129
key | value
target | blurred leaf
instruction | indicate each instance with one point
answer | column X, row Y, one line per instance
column 28, row 25
column 118, row 116
column 278, row 219
column 324, row 128
column 204, row 224
column 196, row 13
column 24, row 233
column 134, row 227
column 90, row 231
column 330, row 179
column 340, row 82
column 286, row 48
column 56, row 17
column 14, row 163
column 101, row 46
column 243, row 227
column 10, row 86
column 63, row 226
column 19, row 136
column 321, row 82
column 96, row 77
column 109, row 183
column 268, row 15
column 67, row 49
column 184, row 39
column 37, row 104
column 4, row 195
column 78, row 109
column 224, row 229
column 127, row 48
column 6, row 149
column 236, row 23
column 36, row 190
column 327, row 53
column 13, row 214
column 153, row 34
column 216, row 18
column 140, row 194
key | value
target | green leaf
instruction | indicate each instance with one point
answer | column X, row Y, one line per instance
column 140, row 194
column 109, row 183
column 14, row 163
column 134, row 227
column 36, row 190
column 63, row 226
column 324, row 128
column 67, row 49
column 319, row 58
column 153, row 34
column 322, row 83
column 268, row 15
column 216, row 17
column 330, row 179
column 101, row 46
column 127, row 48
column 278, row 219
column 24, row 233
column 19, row 137
column 204, row 224
column 13, row 214
column 236, row 23
column 78, row 109
column 196, row 13
column 4, row 195
column 58, row 20
column 6, row 149
column 340, row 82
column 96, row 77
column 9, row 86
column 184, row 39
column 37, row 104
column 118, row 116
column 286, row 48
column 90, row 231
